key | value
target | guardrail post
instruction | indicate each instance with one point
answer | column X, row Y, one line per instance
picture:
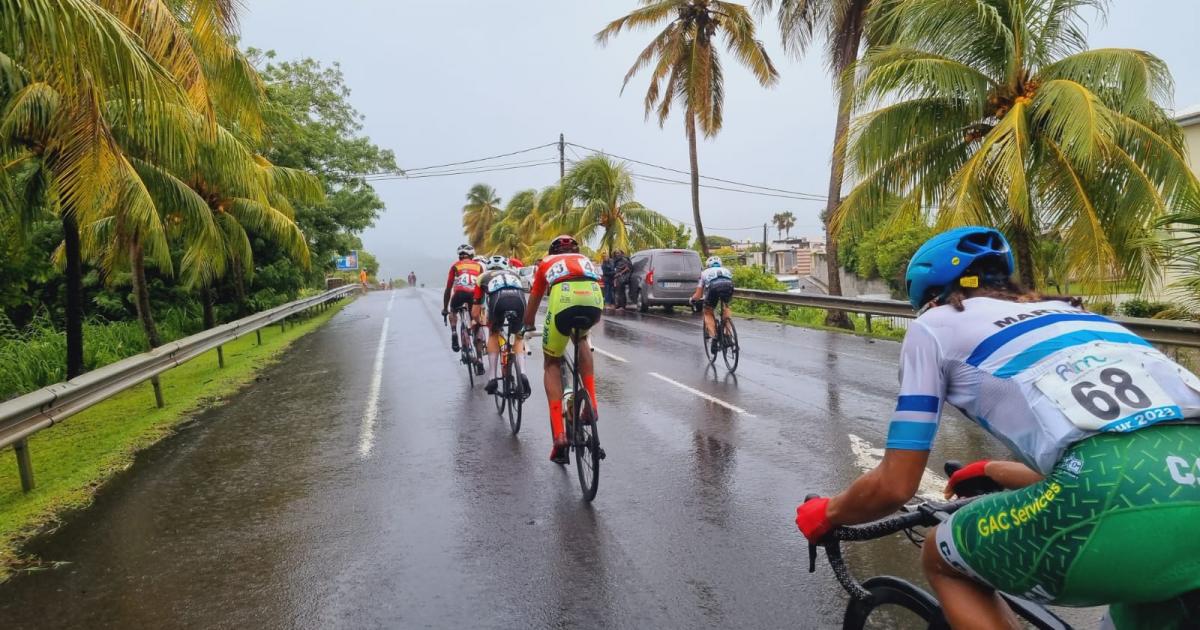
column 868, row 317
column 158, row 395
column 220, row 356
column 24, row 465
column 258, row 335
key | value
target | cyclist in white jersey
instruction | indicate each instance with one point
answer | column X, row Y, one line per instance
column 715, row 285
column 1104, row 425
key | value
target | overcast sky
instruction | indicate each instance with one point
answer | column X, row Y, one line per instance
column 451, row 80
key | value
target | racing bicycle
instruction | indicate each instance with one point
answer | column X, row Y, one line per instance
column 873, row 601
column 579, row 415
column 727, row 340
column 510, row 393
column 467, row 352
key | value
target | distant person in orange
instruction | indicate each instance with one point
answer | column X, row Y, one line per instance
column 362, row 278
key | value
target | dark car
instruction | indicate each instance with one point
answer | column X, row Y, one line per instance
column 663, row 277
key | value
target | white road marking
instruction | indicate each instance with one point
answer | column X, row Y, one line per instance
column 390, row 300
column 366, row 436
column 867, row 457
column 702, row 394
column 609, row 355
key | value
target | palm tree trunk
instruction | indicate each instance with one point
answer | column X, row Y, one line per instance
column 206, row 300
column 74, row 323
column 239, row 290
column 691, row 136
column 141, row 294
column 1023, row 244
column 837, row 168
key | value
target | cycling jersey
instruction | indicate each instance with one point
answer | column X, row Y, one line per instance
column 561, row 268
column 495, row 281
column 464, row 275
column 503, row 294
column 714, row 274
column 1039, row 376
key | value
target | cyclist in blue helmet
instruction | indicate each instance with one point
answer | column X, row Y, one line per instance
column 1101, row 507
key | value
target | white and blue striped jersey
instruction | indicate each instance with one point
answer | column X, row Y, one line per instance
column 1039, row 376
column 710, row 275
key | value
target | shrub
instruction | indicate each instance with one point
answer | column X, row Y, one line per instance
column 1143, row 308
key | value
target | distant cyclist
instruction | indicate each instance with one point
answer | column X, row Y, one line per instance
column 569, row 279
column 1104, row 504
column 501, row 289
column 715, row 286
column 460, row 287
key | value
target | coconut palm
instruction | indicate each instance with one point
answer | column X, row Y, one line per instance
column 842, row 26
column 687, row 67
column 601, row 190
column 480, row 214
column 784, row 222
column 994, row 112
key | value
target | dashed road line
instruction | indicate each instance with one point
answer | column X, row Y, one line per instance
column 701, row 394
column 366, row 437
column 609, row 355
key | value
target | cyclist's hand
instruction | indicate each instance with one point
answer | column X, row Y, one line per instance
column 812, row 520
column 972, row 471
column 527, row 330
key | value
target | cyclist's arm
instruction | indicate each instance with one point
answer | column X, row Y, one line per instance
column 535, row 297
column 882, row 491
column 698, row 293
column 449, row 288
column 1012, row 475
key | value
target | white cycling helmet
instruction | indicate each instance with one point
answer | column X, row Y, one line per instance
column 465, row 250
column 480, row 259
column 496, row 263
column 713, row 261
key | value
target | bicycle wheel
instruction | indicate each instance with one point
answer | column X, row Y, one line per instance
column 894, row 603
column 515, row 396
column 729, row 346
column 586, row 441
column 501, row 395
column 707, row 344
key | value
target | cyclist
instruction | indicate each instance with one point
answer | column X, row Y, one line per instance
column 569, row 279
column 1102, row 508
column 715, row 285
column 460, row 287
column 501, row 288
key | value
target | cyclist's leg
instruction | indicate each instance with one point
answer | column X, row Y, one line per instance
column 710, row 323
column 554, row 343
column 726, row 312
column 966, row 602
column 587, row 372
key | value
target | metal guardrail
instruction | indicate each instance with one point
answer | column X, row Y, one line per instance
column 25, row 415
column 1161, row 331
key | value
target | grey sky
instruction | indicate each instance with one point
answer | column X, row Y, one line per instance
column 448, row 80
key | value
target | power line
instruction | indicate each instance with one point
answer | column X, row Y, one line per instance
column 804, row 195
column 465, row 171
column 663, row 180
column 401, row 172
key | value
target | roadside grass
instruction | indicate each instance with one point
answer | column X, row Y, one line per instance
column 73, row 460
column 813, row 318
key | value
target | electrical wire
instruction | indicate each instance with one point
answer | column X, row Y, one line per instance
column 467, row 169
column 663, row 180
column 482, row 159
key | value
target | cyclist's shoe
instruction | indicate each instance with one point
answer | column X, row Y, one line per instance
column 526, row 390
column 716, row 345
column 491, row 386
column 479, row 370
column 454, row 342
column 559, row 454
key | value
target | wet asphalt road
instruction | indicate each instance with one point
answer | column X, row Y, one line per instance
column 288, row 507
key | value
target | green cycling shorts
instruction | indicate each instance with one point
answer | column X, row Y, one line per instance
column 572, row 303
column 1115, row 523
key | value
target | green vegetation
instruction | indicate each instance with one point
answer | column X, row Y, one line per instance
column 72, row 460
column 177, row 178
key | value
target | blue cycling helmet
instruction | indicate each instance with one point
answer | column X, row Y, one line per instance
column 943, row 259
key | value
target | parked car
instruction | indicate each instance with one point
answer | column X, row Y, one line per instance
column 663, row 277
column 526, row 275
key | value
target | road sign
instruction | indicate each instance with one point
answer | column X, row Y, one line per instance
column 349, row 262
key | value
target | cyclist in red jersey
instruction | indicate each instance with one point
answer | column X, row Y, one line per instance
column 569, row 279
column 460, row 289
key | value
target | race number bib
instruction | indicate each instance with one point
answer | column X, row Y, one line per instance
column 503, row 281
column 589, row 269
column 557, row 272
column 464, row 280
column 1107, row 387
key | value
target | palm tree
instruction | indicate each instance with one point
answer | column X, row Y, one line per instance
column 842, row 24
column 994, row 112
column 480, row 214
column 602, row 190
column 63, row 65
column 784, row 222
column 686, row 66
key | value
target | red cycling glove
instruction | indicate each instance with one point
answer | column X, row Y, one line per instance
column 974, row 470
column 812, row 520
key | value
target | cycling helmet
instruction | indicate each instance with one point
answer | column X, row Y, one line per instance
column 480, row 259
column 496, row 263
column 563, row 244
column 465, row 250
column 713, row 261
column 943, row 260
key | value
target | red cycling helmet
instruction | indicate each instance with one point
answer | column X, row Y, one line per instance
column 563, row 244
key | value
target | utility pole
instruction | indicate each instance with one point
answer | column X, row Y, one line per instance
column 562, row 158
column 766, row 266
